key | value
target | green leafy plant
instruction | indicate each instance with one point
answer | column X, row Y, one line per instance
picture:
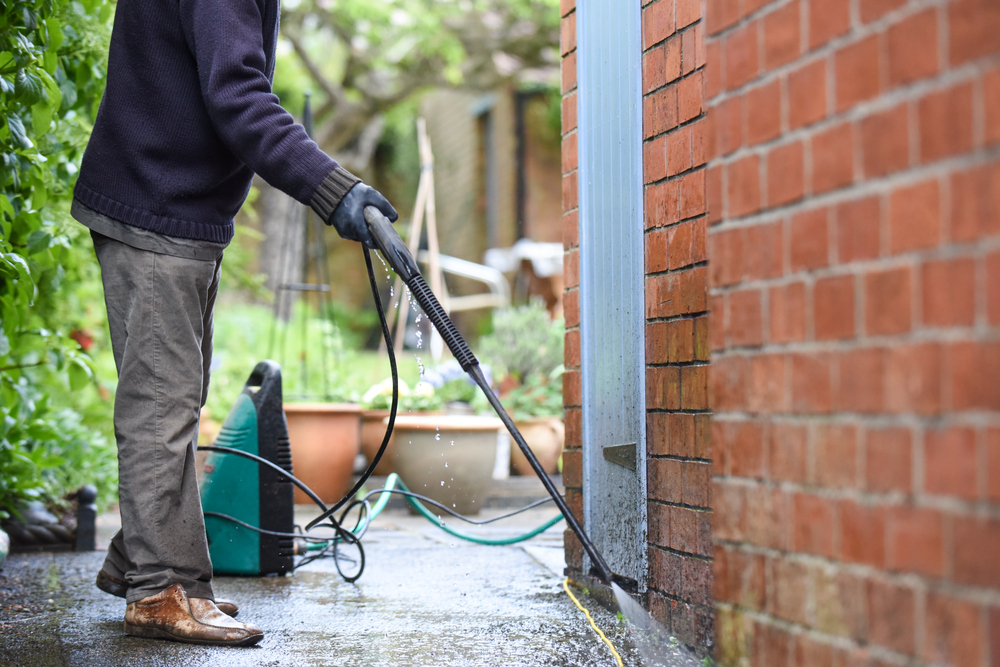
column 421, row 398
column 52, row 65
column 538, row 396
column 524, row 341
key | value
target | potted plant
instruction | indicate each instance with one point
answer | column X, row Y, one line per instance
column 527, row 348
column 536, row 407
column 375, row 405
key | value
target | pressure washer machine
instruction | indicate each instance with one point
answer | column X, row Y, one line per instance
column 255, row 495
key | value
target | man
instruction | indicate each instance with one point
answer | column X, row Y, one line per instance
column 187, row 118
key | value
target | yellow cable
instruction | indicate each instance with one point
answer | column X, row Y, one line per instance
column 572, row 597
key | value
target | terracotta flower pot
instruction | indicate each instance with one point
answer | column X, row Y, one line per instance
column 325, row 439
column 545, row 436
column 372, row 432
column 448, row 458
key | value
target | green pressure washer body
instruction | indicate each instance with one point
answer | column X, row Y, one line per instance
column 245, row 490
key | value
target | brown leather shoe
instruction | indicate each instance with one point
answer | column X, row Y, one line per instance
column 118, row 588
column 172, row 615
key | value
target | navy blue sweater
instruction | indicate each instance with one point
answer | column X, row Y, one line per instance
column 188, row 116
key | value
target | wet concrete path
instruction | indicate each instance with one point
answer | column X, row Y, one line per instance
column 425, row 599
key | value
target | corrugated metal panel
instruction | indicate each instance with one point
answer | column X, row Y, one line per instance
column 611, row 277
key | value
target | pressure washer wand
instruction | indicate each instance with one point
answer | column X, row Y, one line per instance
column 398, row 255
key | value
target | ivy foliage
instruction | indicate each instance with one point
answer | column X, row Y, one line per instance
column 52, row 75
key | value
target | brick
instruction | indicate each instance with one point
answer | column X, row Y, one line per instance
column 807, row 94
column 567, row 35
column 571, row 388
column 654, row 159
column 860, row 379
column 945, row 122
column 663, row 388
column 949, row 292
column 857, row 71
column 768, row 517
column 691, row 194
column 741, row 51
column 893, row 614
column 915, row 217
column 771, row 644
column 862, row 533
column 713, row 194
column 690, row 96
column 872, row 10
column 782, row 36
column 657, row 22
column 678, row 153
column 974, row 369
column 566, row 6
column 713, row 74
column 991, row 95
column 742, row 579
column 683, row 530
column 688, row 11
column 811, row 383
column 573, row 468
column 664, row 479
column 745, row 319
column 682, row 435
column 680, row 341
column 766, row 391
column 659, row 112
column 725, row 253
column 976, row 544
column 832, row 158
column 654, row 69
column 689, row 46
column 952, row 632
column 694, row 387
column 858, row 229
column 828, row 19
column 656, row 250
column 993, row 465
column 763, row 113
column 572, row 348
column 728, row 383
column 744, row 186
column 746, row 453
column 888, row 301
column 657, row 434
column 658, row 520
column 913, row 378
column 699, row 148
column 809, row 240
column 696, row 480
column 812, row 525
column 791, row 583
column 788, row 313
column 571, row 229
column 682, row 293
column 763, row 251
column 974, row 29
column 660, row 204
column 570, row 153
column 841, row 607
column 836, row 456
column 785, row 174
column 574, row 427
column 975, row 203
column 720, row 14
column 570, row 191
column 571, row 309
column 913, row 48
column 569, row 112
column 728, row 117
column 809, row 653
column 833, row 304
column 992, row 290
column 885, row 141
column 702, row 336
column 787, row 452
column 914, row 541
column 574, row 499
column 568, row 73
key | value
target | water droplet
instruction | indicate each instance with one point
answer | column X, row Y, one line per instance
column 442, row 482
column 437, row 436
column 445, row 463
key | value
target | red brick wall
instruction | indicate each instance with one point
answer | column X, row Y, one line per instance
column 678, row 445
column 854, row 263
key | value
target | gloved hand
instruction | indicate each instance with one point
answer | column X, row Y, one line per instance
column 349, row 219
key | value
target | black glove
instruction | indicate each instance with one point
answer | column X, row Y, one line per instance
column 349, row 219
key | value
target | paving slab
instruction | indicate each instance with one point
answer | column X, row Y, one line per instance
column 425, row 598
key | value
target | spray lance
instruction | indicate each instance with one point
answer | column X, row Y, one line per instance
column 396, row 253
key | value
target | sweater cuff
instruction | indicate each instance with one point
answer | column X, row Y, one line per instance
column 331, row 191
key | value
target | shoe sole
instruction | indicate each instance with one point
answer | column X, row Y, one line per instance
column 156, row 633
